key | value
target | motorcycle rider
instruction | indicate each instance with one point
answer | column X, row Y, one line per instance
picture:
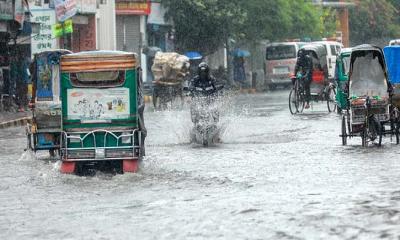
column 304, row 66
column 203, row 80
column 203, row 85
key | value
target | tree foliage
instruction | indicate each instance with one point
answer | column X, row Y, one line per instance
column 204, row 25
column 373, row 20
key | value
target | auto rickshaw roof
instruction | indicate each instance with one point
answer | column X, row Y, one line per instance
column 100, row 53
column 92, row 61
column 366, row 47
column 346, row 51
column 47, row 52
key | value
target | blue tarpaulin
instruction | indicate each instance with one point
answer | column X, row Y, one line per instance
column 392, row 57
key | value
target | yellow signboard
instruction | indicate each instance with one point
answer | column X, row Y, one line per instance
column 60, row 29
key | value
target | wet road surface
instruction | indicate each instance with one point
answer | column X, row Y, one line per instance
column 275, row 176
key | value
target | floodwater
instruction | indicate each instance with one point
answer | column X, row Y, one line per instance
column 275, row 176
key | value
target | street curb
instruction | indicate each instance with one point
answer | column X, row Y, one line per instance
column 248, row 90
column 15, row 123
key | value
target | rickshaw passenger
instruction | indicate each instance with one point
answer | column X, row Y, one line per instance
column 304, row 66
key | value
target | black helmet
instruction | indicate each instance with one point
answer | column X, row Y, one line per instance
column 203, row 68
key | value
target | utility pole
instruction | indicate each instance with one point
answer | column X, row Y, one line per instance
column 343, row 14
column 342, row 7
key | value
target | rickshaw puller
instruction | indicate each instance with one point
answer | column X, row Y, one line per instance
column 304, row 66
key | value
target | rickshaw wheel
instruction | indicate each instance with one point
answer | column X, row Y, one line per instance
column 344, row 134
column 397, row 133
column 377, row 130
column 155, row 100
column 130, row 165
column 292, row 108
column 300, row 98
column 330, row 100
column 364, row 137
column 381, row 131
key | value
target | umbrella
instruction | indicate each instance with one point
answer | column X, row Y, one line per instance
column 193, row 55
column 241, row 53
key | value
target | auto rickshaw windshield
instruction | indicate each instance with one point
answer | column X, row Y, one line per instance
column 368, row 76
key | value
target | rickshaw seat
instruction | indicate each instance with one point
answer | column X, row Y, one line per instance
column 318, row 76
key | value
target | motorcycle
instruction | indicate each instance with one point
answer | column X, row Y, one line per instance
column 205, row 117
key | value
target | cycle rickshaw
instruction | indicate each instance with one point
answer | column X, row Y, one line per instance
column 370, row 114
column 45, row 130
column 321, row 88
column 169, row 70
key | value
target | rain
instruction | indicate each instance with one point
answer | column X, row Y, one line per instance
column 232, row 120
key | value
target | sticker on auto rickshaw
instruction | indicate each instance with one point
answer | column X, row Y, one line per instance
column 98, row 104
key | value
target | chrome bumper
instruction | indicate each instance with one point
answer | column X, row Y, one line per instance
column 101, row 153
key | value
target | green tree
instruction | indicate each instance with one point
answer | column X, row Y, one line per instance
column 280, row 19
column 373, row 20
column 204, row 25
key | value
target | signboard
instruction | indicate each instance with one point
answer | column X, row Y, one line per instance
column 44, row 40
column 44, row 86
column 157, row 15
column 60, row 29
column 35, row 4
column 86, row 6
column 6, row 10
column 65, row 9
column 98, row 104
column 132, row 7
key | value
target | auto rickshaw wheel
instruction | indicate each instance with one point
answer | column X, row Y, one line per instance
column 344, row 132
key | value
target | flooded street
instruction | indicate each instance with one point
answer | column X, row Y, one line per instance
column 275, row 176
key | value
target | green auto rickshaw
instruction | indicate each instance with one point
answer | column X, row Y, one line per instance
column 102, row 111
column 342, row 78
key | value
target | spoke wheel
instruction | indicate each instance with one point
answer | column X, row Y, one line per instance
column 397, row 132
column 330, row 99
column 293, row 104
column 300, row 97
column 364, row 137
column 344, row 134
